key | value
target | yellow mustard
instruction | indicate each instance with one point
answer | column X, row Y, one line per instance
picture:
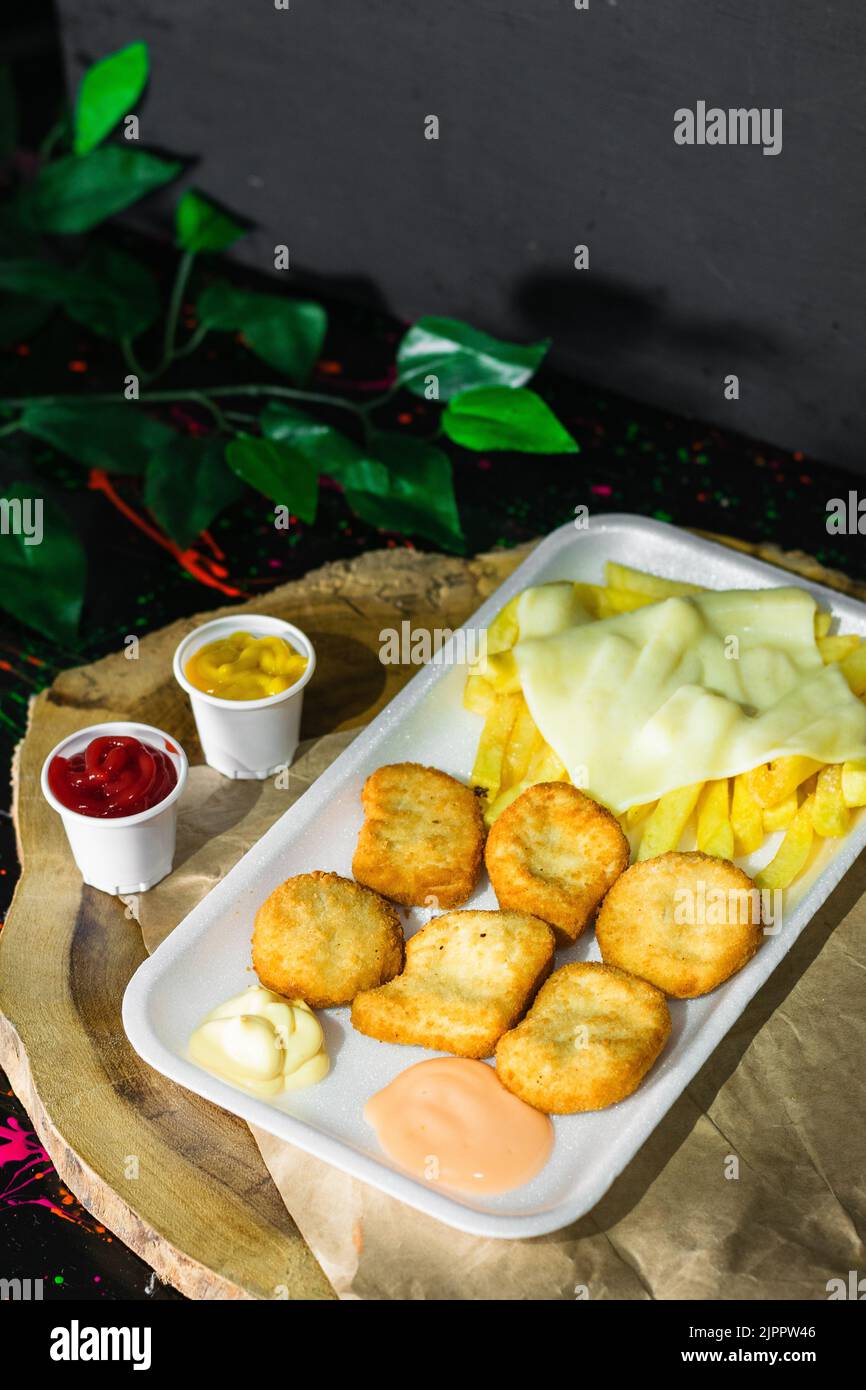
column 262, row 1042
column 243, row 667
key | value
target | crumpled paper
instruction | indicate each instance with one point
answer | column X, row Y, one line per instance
column 752, row 1186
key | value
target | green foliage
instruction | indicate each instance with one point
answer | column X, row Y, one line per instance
column 187, row 484
column 77, row 192
column 201, row 226
column 395, row 482
column 108, row 92
column 276, row 470
column 43, row 585
column 118, row 438
column 110, row 292
column 461, row 357
column 419, row 497
column 286, row 333
column 496, row 417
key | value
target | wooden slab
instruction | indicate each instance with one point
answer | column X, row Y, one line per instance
column 179, row 1181
column 176, row 1179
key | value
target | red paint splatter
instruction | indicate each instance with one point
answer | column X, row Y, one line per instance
column 206, row 570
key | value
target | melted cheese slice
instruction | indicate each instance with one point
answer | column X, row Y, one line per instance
column 683, row 690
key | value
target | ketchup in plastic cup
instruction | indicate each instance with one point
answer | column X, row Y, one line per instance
column 247, row 738
column 116, row 788
column 115, row 775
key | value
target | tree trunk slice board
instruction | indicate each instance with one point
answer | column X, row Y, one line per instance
column 178, row 1180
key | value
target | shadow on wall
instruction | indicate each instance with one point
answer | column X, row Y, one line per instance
column 603, row 318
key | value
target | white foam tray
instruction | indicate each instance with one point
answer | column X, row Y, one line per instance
column 206, row 959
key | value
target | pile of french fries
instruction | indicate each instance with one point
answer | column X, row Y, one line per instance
column 733, row 815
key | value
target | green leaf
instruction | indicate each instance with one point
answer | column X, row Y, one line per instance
column 42, row 279
column 286, row 333
column 110, row 292
column 499, row 417
column 119, row 438
column 419, row 499
column 201, row 226
column 461, row 357
column 8, row 115
column 21, row 317
column 187, row 484
column 329, row 451
column 77, row 192
column 107, row 93
column 42, row 585
column 277, row 470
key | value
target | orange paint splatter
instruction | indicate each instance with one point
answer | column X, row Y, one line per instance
column 201, row 567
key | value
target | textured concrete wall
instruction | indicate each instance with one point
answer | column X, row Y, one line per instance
column 556, row 128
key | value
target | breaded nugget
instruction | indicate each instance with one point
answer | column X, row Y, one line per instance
column 588, row 1041
column 321, row 938
column 422, row 837
column 469, row 976
column 686, row 922
column 554, row 852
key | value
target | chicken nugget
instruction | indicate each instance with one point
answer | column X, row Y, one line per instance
column 686, row 922
column 422, row 837
column 468, row 977
column 588, row 1041
column 321, row 938
column 554, row 852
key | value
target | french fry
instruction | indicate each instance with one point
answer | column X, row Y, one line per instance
column 836, row 648
column 638, row 582
column 495, row 808
column 822, row 623
column 604, row 602
column 478, row 695
column 546, row 766
column 791, row 856
column 854, row 782
column 773, row 782
column 779, row 817
column 504, row 631
column 523, row 741
column 830, row 815
column 664, row 828
column 501, row 671
column 487, row 772
column 746, row 818
column 715, row 831
column 853, row 668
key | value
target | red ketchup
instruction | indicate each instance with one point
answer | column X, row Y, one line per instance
column 116, row 775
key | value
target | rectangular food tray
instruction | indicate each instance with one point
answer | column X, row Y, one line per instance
column 206, row 959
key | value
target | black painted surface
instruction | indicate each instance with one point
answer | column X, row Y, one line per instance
column 556, row 128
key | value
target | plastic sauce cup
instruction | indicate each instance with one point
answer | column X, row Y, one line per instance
column 246, row 738
column 121, row 854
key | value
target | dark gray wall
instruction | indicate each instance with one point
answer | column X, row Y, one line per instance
column 556, row 128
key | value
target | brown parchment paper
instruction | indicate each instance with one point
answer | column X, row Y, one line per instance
column 752, row 1186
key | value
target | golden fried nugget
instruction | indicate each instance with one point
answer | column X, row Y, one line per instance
column 686, row 922
column 321, row 938
column 422, row 836
column 554, row 852
column 588, row 1041
column 468, row 977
